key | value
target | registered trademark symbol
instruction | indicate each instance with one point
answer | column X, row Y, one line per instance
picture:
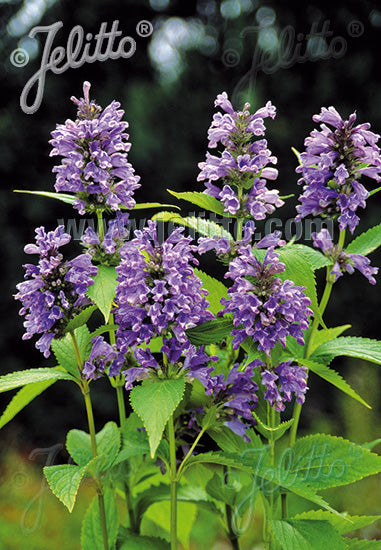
column 355, row 29
column 144, row 28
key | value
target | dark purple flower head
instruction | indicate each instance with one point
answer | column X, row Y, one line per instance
column 264, row 308
column 334, row 161
column 284, row 382
column 181, row 360
column 107, row 251
column 343, row 261
column 94, row 149
column 242, row 168
column 54, row 291
column 158, row 292
column 102, row 357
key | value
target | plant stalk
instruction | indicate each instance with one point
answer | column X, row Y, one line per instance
column 173, row 479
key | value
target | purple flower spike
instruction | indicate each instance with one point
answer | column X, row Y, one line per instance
column 54, row 291
column 331, row 166
column 103, row 356
column 94, row 149
column 107, row 251
column 284, row 382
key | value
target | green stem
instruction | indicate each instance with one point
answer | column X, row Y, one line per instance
column 121, row 404
column 183, row 463
column 76, row 351
column 233, row 537
column 173, row 478
column 100, row 225
column 284, row 506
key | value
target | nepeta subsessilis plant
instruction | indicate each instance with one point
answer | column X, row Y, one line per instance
column 211, row 368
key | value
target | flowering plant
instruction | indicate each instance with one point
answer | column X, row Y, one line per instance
column 216, row 374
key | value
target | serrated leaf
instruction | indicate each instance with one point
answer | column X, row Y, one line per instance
column 203, row 201
column 134, row 443
column 272, row 433
column 343, row 524
column 325, row 335
column 22, row 398
column 362, row 348
column 78, row 444
column 140, row 542
column 316, row 259
column 91, row 532
column 154, row 403
column 367, row 242
column 63, row 349
column 80, row 319
column 69, row 199
column 304, row 534
column 64, row 481
column 356, row 544
column 231, row 442
column 101, row 330
column 333, row 377
column 324, row 461
column 215, row 288
column 102, row 292
column 207, row 228
column 210, row 332
column 24, row 377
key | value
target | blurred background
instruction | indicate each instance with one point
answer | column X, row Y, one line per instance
column 198, row 49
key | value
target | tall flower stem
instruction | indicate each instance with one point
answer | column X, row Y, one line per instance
column 100, row 225
column 173, row 479
column 90, row 420
column 233, row 537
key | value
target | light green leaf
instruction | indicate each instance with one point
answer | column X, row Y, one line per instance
column 315, row 258
column 374, row 191
column 22, row 398
column 343, row 524
column 215, row 288
column 203, row 201
column 69, row 199
column 102, row 292
column 207, row 228
column 210, row 332
column 64, row 481
column 140, row 542
column 78, row 444
column 362, row 348
column 63, row 349
column 296, row 153
column 324, row 461
column 143, row 205
column 272, row 433
column 231, row 442
column 154, row 403
column 366, row 242
column 80, row 319
column 24, row 377
column 326, row 335
column 134, row 443
column 159, row 513
column 101, row 330
column 356, row 544
column 91, row 532
column 304, row 534
column 371, row 444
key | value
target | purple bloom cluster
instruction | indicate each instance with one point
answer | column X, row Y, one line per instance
column 243, row 165
column 264, row 308
column 107, row 251
column 343, row 261
column 286, row 379
column 94, row 150
column 331, row 166
column 103, row 356
column 54, row 291
column 193, row 365
column 158, row 292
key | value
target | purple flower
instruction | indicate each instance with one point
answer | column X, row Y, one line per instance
column 264, row 308
column 343, row 261
column 158, row 292
column 283, row 382
column 107, row 251
column 103, row 356
column 94, row 150
column 243, row 164
column 54, row 291
column 331, row 166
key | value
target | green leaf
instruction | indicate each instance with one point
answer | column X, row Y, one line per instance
column 207, row 228
column 343, row 524
column 69, row 199
column 22, row 398
column 102, row 292
column 63, row 349
column 296, row 153
column 230, row 442
column 78, row 444
column 362, row 348
column 64, row 481
column 272, row 433
column 24, row 377
column 215, row 288
column 324, row 461
column 101, row 330
column 374, row 191
column 304, row 534
column 210, row 332
column 143, row 205
column 356, row 544
column 366, row 242
column 159, row 513
column 371, row 444
column 91, row 532
column 154, row 403
column 315, row 258
column 80, row 319
column 134, row 443
column 140, row 542
column 333, row 377
column 203, row 201
column 325, row 335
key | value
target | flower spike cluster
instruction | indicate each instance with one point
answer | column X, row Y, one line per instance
column 107, row 251
column 343, row 261
column 103, row 357
column 286, row 379
column 334, row 161
column 54, row 291
column 243, row 167
column 264, row 308
column 158, row 292
column 94, row 149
